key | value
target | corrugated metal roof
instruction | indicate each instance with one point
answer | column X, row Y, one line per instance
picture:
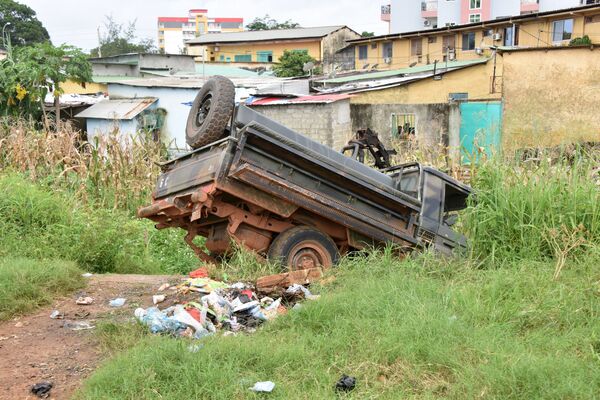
column 258, row 36
column 126, row 109
column 405, row 71
column 319, row 99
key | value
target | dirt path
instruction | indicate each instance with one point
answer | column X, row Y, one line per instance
column 36, row 348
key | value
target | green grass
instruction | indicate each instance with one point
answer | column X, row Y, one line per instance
column 42, row 224
column 26, row 284
column 406, row 329
column 498, row 323
column 535, row 210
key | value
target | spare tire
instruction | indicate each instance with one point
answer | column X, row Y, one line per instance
column 211, row 111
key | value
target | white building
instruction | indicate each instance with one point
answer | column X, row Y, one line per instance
column 416, row 15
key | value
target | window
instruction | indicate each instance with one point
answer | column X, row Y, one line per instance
column 387, row 50
column 474, row 17
column 475, row 4
column 511, row 36
column 468, row 41
column 363, row 52
column 449, row 43
column 592, row 19
column 416, row 48
column 264, row 56
column 404, row 126
column 373, row 46
column 243, row 58
column 562, row 30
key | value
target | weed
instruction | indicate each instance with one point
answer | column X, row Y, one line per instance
column 26, row 284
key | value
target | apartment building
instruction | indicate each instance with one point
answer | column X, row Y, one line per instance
column 173, row 32
column 414, row 15
column 476, row 40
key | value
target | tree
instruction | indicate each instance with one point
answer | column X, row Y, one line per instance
column 267, row 23
column 29, row 73
column 121, row 39
column 292, row 63
column 21, row 24
column 367, row 34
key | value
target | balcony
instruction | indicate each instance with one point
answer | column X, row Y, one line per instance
column 429, row 9
column 530, row 6
column 386, row 13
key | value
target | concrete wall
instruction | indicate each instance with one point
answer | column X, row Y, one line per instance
column 551, row 97
column 505, row 8
column 334, row 42
column 406, row 16
column 229, row 51
column 114, row 70
column 181, row 63
column 534, row 33
column 432, row 121
column 475, row 80
column 549, row 5
column 173, row 100
column 449, row 12
column 98, row 127
column 329, row 124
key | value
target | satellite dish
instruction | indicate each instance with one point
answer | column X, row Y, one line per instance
column 308, row 66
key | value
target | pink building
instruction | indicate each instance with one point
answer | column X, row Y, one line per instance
column 416, row 15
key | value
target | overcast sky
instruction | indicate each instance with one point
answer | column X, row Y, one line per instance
column 76, row 21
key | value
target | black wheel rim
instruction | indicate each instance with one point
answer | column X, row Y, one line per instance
column 203, row 110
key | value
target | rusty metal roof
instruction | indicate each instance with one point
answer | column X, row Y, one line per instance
column 118, row 109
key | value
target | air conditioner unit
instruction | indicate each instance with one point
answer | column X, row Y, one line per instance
column 497, row 36
column 387, row 60
column 427, row 23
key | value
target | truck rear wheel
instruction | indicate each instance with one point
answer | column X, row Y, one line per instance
column 303, row 247
column 211, row 112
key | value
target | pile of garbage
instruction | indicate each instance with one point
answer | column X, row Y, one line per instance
column 212, row 306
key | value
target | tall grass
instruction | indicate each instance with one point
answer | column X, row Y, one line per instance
column 26, row 284
column 42, row 224
column 112, row 173
column 538, row 209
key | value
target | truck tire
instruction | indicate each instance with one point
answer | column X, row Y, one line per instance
column 303, row 247
column 211, row 111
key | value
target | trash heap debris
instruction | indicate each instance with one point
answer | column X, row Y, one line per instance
column 201, row 306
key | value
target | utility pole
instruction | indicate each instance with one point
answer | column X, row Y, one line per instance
column 99, row 43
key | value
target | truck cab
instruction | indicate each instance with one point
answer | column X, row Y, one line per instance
column 441, row 198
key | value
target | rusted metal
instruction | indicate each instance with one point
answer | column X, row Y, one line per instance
column 266, row 179
column 272, row 283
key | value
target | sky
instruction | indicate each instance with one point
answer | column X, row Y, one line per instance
column 76, row 22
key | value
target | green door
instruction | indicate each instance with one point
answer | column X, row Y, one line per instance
column 480, row 128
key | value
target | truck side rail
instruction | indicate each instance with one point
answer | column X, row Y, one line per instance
column 326, row 158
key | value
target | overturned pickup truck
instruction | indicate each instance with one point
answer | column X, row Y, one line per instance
column 291, row 199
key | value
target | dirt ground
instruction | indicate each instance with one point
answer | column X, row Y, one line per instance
column 36, row 348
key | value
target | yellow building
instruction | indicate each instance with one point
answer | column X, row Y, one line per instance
column 477, row 40
column 265, row 47
column 173, row 32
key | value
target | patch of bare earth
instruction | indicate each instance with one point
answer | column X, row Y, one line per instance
column 36, row 348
